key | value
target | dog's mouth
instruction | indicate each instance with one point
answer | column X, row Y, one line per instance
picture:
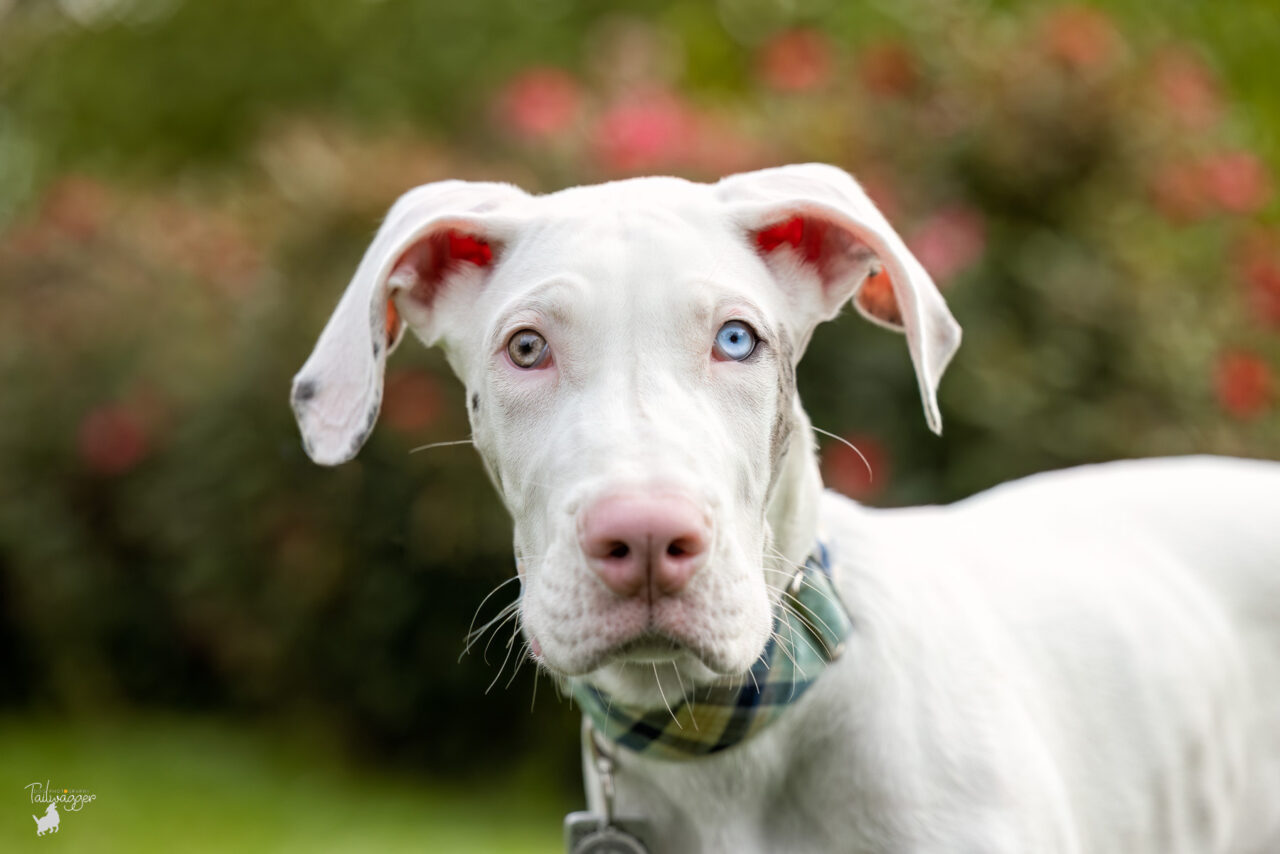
column 708, row 636
column 651, row 668
column 650, row 647
column 653, row 648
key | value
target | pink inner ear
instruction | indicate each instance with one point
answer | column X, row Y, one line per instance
column 806, row 236
column 467, row 247
column 432, row 256
column 876, row 298
column 393, row 322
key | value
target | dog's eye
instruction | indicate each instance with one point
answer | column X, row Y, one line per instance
column 527, row 349
column 735, row 341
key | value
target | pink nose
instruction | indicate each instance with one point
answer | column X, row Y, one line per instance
column 645, row 545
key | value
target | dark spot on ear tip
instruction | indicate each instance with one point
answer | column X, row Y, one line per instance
column 475, row 402
column 370, row 418
column 304, row 391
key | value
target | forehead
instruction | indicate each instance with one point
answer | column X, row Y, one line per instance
column 644, row 253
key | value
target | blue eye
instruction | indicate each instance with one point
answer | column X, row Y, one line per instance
column 735, row 341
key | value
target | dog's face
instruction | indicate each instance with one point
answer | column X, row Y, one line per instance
column 661, row 369
column 629, row 356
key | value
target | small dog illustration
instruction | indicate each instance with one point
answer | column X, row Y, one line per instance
column 49, row 822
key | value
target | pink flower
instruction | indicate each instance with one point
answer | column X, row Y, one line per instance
column 411, row 401
column 540, row 103
column 1264, row 294
column 1259, row 266
column 949, row 241
column 648, row 131
column 113, row 439
column 1187, row 87
column 1243, row 384
column 719, row 148
column 796, row 61
column 201, row 242
column 1177, row 191
column 888, row 69
column 74, row 210
column 1081, row 37
column 845, row 471
column 1237, row 181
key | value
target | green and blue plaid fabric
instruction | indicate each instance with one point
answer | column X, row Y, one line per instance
column 809, row 629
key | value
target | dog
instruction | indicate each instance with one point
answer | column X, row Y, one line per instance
column 49, row 823
column 1085, row 661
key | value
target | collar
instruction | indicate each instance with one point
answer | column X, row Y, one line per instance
column 809, row 629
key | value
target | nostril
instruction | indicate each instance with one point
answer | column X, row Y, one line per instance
column 643, row 542
column 684, row 547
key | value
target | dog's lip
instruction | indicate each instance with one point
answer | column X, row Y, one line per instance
column 649, row 647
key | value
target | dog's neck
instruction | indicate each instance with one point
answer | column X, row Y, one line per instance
column 792, row 513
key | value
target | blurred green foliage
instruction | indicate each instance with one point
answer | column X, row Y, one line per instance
column 186, row 186
column 194, row 785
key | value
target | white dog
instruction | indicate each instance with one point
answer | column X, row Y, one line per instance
column 1086, row 661
column 49, row 822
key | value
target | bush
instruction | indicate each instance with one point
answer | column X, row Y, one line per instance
column 1086, row 198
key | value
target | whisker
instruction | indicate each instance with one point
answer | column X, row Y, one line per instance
column 808, row 624
column 498, row 676
column 807, row 583
column 795, row 664
column 473, row 638
column 680, row 682
column 487, row 597
column 441, row 445
column 861, row 456
column 791, row 609
column 502, row 612
column 514, row 615
column 663, row 695
column 807, row 642
column 520, row 659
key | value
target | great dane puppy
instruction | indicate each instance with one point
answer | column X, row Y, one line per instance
column 1086, row 661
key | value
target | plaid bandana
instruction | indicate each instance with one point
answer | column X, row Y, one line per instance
column 809, row 629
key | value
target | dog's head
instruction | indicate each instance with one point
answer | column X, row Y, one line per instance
column 629, row 355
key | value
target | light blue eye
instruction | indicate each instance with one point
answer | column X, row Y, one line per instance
column 735, row 341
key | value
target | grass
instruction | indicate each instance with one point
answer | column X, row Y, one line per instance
column 165, row 785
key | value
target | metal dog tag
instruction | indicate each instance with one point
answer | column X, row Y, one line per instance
column 589, row 833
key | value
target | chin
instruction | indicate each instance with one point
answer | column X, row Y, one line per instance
column 653, row 669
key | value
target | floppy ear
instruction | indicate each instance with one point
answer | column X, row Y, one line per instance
column 435, row 237
column 826, row 243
